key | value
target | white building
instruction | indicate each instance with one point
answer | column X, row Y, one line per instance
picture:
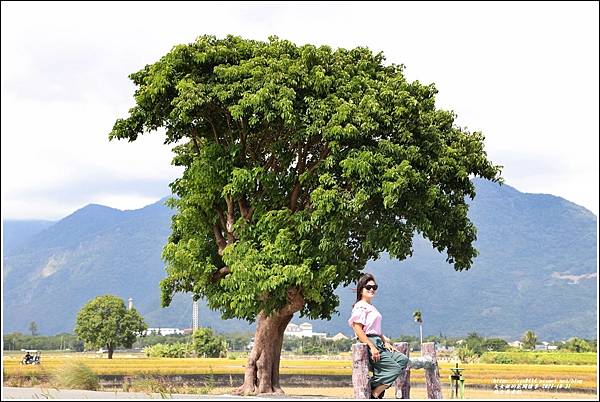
column 516, row 344
column 302, row 330
column 339, row 336
column 163, row 331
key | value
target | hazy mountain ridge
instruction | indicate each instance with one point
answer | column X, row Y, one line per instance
column 537, row 270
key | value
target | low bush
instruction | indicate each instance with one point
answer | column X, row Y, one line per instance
column 76, row 375
column 542, row 357
column 179, row 350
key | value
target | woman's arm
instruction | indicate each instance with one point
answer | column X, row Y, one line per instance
column 358, row 330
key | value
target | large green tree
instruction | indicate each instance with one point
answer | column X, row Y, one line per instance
column 301, row 164
column 105, row 322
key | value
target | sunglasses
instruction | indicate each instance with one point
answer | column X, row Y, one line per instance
column 369, row 287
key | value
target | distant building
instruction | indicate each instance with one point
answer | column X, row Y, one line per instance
column 303, row 330
column 163, row 331
column 338, row 337
column 516, row 344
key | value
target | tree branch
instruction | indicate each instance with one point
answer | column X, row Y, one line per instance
column 220, row 274
column 230, row 219
column 214, row 129
column 295, row 301
column 244, row 210
column 299, row 170
column 294, row 196
column 221, row 218
column 221, row 242
column 194, row 135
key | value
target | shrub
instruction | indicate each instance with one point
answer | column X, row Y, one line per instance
column 207, row 344
column 179, row 350
column 466, row 355
column 149, row 385
column 496, row 358
column 76, row 375
column 209, row 384
column 542, row 357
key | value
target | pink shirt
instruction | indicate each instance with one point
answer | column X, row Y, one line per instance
column 367, row 315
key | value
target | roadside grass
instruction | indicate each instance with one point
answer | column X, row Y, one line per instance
column 75, row 375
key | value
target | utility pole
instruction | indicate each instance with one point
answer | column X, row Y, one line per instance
column 194, row 316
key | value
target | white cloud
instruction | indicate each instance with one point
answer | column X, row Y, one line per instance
column 525, row 74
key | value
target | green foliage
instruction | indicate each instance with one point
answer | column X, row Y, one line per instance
column 104, row 321
column 206, row 344
column 479, row 345
column 466, row 354
column 529, row 340
column 178, row 350
column 18, row 341
column 301, row 164
column 544, row 357
column 496, row 358
column 150, row 340
column 238, row 341
column 577, row 345
column 76, row 375
column 418, row 317
column 316, row 345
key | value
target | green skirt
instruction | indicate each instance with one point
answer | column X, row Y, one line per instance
column 390, row 365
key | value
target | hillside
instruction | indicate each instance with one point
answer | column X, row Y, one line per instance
column 536, row 270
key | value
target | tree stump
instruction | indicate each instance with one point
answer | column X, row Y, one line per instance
column 403, row 382
column 432, row 376
column 360, row 371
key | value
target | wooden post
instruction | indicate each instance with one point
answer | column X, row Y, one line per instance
column 403, row 382
column 432, row 376
column 360, row 371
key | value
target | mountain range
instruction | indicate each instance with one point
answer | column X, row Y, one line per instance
column 536, row 270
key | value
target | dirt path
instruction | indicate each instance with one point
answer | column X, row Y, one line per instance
column 52, row 393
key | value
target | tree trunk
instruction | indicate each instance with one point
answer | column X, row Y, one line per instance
column 110, row 352
column 262, row 369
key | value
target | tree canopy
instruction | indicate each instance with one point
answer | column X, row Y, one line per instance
column 302, row 163
column 105, row 322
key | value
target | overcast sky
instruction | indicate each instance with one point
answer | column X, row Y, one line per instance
column 525, row 74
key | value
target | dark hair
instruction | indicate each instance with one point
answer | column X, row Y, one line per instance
column 361, row 284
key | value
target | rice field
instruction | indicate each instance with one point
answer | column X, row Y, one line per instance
column 493, row 380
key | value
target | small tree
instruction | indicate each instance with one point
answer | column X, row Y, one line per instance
column 529, row 340
column 577, row 345
column 105, row 322
column 419, row 319
column 207, row 344
column 465, row 354
column 33, row 328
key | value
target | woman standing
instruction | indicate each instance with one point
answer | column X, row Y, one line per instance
column 387, row 362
